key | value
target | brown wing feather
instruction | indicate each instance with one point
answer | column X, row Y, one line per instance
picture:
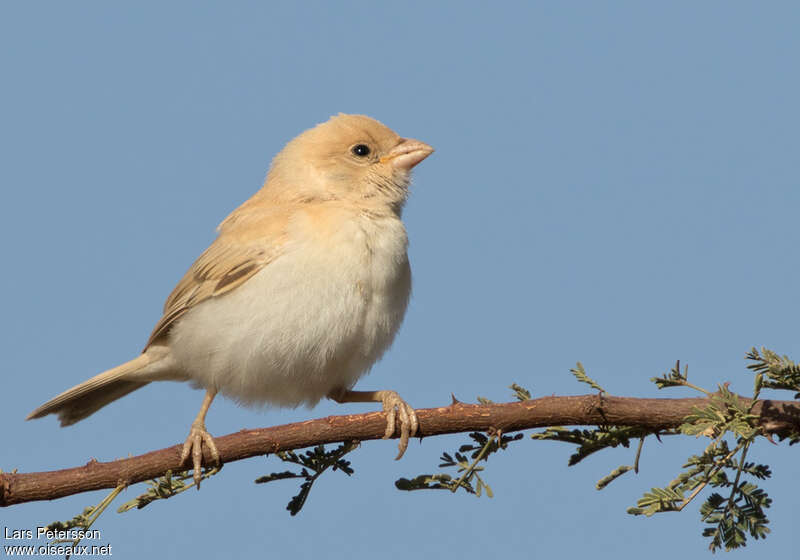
column 244, row 247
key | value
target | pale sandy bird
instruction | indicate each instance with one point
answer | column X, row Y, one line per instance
column 301, row 293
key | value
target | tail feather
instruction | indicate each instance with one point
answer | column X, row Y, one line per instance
column 93, row 394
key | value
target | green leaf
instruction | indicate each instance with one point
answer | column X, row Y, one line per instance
column 314, row 462
column 580, row 375
column 521, row 393
column 612, row 476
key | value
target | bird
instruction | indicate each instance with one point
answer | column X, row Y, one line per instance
column 302, row 291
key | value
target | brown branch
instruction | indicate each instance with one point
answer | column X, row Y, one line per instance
column 776, row 417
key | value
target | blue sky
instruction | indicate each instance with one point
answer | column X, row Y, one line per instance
column 614, row 183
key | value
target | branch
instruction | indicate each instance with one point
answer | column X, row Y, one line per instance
column 775, row 417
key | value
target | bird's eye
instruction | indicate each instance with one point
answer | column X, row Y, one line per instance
column 360, row 150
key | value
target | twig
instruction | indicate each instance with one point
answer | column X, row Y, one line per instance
column 775, row 417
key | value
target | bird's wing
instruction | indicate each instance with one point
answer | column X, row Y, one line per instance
column 244, row 246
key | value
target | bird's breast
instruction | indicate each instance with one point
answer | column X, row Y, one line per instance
column 312, row 321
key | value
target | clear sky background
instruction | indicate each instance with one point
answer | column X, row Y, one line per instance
column 615, row 183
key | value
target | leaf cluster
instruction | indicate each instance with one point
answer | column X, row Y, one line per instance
column 468, row 471
column 580, row 374
column 86, row 519
column 167, row 486
column 729, row 520
column 779, row 371
column 465, row 461
column 314, row 462
column 724, row 413
column 591, row 441
column 80, row 521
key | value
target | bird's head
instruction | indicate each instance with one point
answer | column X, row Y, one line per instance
column 349, row 157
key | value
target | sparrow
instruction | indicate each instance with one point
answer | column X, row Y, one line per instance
column 302, row 291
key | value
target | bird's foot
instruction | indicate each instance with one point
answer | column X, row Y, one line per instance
column 394, row 406
column 193, row 446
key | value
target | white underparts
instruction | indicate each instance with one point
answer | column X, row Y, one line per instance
column 312, row 321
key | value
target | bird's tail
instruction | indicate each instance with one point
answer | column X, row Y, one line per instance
column 93, row 394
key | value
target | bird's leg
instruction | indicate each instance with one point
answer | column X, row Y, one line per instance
column 392, row 406
column 198, row 435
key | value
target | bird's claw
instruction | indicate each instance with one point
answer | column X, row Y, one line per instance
column 394, row 405
column 193, row 446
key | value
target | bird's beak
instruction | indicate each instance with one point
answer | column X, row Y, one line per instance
column 407, row 154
